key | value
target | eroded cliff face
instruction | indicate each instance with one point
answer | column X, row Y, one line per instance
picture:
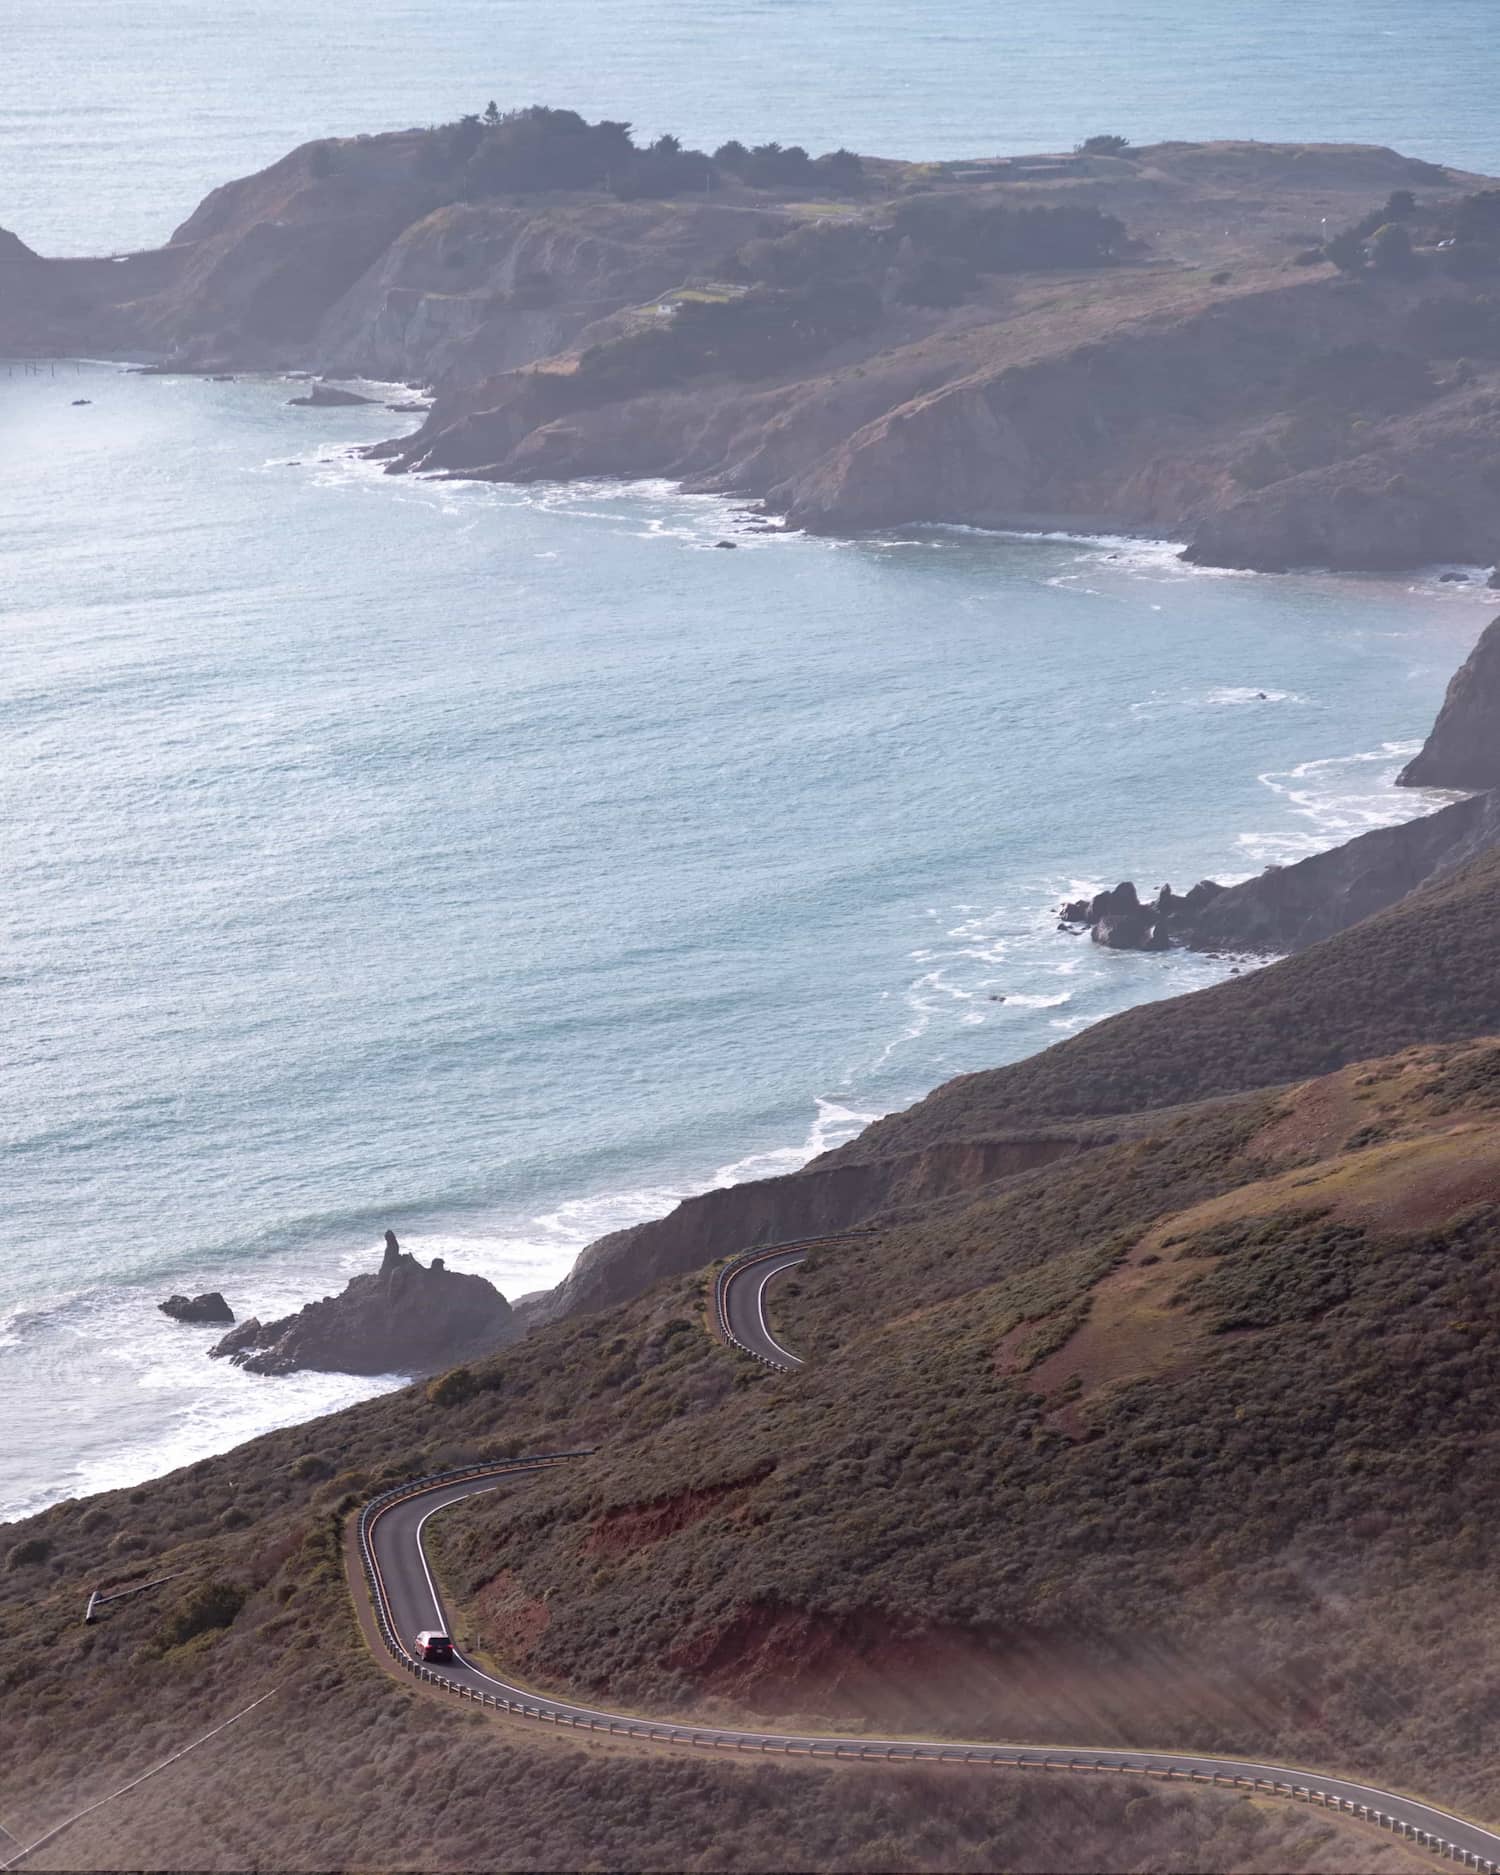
column 1195, row 383
column 1463, row 750
column 822, row 1199
column 476, row 288
column 1286, row 426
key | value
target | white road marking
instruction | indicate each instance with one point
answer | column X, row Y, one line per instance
column 760, row 1309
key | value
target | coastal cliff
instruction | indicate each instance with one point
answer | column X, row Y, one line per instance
column 1463, row 750
column 1395, row 934
column 814, row 1203
column 1150, row 340
column 1287, row 908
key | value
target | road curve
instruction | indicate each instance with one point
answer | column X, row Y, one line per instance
column 406, row 1600
column 745, row 1308
column 740, row 1295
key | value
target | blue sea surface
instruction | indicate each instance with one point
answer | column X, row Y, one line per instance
column 499, row 865
column 116, row 116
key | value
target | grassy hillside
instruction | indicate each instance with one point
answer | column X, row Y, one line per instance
column 1197, row 1446
column 1188, row 1440
column 1427, row 970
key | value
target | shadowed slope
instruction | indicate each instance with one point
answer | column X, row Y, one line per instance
column 1427, row 970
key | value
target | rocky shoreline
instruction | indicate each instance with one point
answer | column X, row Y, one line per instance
column 1290, row 907
column 1080, row 345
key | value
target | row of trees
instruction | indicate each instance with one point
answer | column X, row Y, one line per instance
column 1381, row 241
column 538, row 149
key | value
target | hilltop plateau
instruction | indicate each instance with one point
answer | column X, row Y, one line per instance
column 1284, row 355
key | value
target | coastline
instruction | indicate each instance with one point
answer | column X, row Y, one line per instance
column 1060, row 1020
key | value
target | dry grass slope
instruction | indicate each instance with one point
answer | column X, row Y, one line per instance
column 1187, row 1440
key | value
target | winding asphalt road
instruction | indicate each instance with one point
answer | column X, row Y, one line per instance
column 407, row 1600
column 742, row 1303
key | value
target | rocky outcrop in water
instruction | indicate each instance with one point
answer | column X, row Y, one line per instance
column 401, row 1319
column 209, row 1307
column 1290, row 907
column 1463, row 750
column 1118, row 919
column 329, row 397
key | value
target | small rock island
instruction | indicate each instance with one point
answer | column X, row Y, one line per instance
column 403, row 1318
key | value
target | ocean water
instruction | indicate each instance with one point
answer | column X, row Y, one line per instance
column 116, row 116
column 498, row 865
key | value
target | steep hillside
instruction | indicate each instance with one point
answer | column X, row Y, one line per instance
column 1286, row 908
column 1193, row 1439
column 1427, row 969
column 1187, row 1440
column 1463, row 750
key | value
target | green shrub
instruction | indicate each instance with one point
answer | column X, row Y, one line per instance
column 452, row 1388
column 24, row 1555
column 211, row 1605
column 1391, row 250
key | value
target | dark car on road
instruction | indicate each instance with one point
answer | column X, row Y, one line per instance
column 430, row 1645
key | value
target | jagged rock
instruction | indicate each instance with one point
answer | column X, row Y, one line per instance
column 402, row 1319
column 1289, row 907
column 1200, row 895
column 1122, row 902
column 245, row 1336
column 1463, row 750
column 209, row 1307
column 1123, row 931
column 324, row 395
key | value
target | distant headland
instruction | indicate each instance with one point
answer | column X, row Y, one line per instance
column 1282, row 355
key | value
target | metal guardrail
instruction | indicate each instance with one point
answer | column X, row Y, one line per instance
column 549, row 1712
column 746, row 1259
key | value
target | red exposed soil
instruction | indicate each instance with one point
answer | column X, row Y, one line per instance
column 633, row 1526
column 512, row 1621
column 1146, row 1691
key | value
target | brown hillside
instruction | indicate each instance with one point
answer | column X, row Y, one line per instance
column 1193, row 1441
column 1152, row 341
column 1428, row 969
column 1253, row 1514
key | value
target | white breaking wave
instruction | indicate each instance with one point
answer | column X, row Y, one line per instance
column 1220, row 697
column 1340, row 797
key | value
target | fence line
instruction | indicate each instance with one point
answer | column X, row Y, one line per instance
column 134, row 1784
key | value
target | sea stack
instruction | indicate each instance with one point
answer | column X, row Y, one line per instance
column 401, row 1319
